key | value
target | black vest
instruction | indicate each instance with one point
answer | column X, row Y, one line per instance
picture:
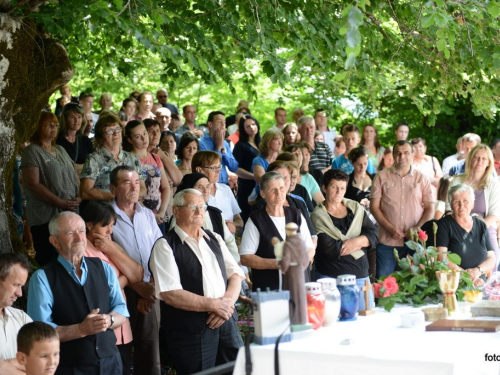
column 73, row 302
column 216, row 219
column 191, row 274
column 269, row 278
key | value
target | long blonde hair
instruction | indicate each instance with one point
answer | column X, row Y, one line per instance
column 488, row 173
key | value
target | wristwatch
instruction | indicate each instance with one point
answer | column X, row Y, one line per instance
column 112, row 320
column 480, row 269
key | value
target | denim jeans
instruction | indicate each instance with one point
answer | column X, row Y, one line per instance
column 386, row 263
column 360, row 283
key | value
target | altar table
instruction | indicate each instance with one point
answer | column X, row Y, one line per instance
column 379, row 345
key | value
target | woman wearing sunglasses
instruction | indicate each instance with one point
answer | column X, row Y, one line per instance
column 94, row 179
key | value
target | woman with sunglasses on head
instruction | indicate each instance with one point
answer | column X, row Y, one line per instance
column 244, row 152
column 51, row 184
column 72, row 124
column 94, row 179
column 136, row 141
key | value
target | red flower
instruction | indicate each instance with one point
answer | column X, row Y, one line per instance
column 376, row 290
column 422, row 235
column 421, row 266
column 390, row 285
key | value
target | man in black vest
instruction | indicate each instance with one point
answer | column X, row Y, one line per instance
column 199, row 281
column 82, row 299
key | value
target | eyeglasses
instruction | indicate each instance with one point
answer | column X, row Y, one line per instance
column 217, row 168
column 193, row 207
column 113, row 131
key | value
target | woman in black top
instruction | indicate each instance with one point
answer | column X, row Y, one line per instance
column 360, row 181
column 345, row 233
column 465, row 235
column 72, row 123
column 244, row 152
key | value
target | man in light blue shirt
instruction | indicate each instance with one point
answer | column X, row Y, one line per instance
column 136, row 231
column 351, row 140
column 81, row 298
column 215, row 142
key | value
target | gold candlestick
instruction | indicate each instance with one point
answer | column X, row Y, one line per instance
column 448, row 283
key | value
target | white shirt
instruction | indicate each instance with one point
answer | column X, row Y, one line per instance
column 228, row 236
column 10, row 324
column 138, row 237
column 449, row 162
column 251, row 236
column 329, row 136
column 225, row 201
column 166, row 272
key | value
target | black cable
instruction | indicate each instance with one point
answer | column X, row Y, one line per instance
column 276, row 346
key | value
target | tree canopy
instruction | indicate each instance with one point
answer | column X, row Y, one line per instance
column 430, row 52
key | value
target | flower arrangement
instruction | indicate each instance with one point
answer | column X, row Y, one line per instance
column 416, row 282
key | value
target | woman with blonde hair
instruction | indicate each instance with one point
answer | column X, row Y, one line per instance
column 479, row 167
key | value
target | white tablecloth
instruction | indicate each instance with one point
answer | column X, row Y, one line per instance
column 379, row 345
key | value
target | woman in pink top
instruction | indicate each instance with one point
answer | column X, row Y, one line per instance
column 100, row 218
column 157, row 187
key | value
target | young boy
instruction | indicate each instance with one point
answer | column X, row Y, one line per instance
column 38, row 348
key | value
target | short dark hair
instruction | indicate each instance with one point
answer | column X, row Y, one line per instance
column 401, row 143
column 334, row 174
column 143, row 94
column 149, row 123
column 186, row 139
column 418, row 140
column 350, row 128
column 401, row 123
column 8, row 260
column 84, row 95
column 279, row 109
column 212, row 114
column 113, row 177
column 97, row 212
column 175, row 117
column 494, row 142
column 185, row 107
column 34, row 332
column 356, row 153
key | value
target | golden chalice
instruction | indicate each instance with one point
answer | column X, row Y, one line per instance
column 448, row 283
column 473, row 296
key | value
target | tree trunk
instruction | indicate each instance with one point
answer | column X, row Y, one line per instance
column 32, row 67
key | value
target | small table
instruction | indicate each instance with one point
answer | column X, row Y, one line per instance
column 379, row 345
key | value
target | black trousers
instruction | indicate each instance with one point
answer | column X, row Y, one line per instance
column 106, row 366
column 194, row 352
column 45, row 252
column 146, row 337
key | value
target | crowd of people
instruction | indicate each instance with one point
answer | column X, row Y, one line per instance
column 143, row 222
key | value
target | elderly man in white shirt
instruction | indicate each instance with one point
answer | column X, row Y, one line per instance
column 136, row 231
column 13, row 276
column 200, row 282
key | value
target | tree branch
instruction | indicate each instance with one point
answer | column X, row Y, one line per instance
column 376, row 23
column 468, row 32
column 407, row 34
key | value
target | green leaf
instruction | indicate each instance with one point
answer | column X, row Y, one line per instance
column 494, row 9
column 454, row 258
column 441, row 19
column 353, row 37
column 404, row 264
column 447, row 55
column 439, row 3
column 340, row 76
column 428, row 20
column 441, row 44
column 355, row 17
column 350, row 61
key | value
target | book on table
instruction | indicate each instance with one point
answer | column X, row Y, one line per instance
column 465, row 325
